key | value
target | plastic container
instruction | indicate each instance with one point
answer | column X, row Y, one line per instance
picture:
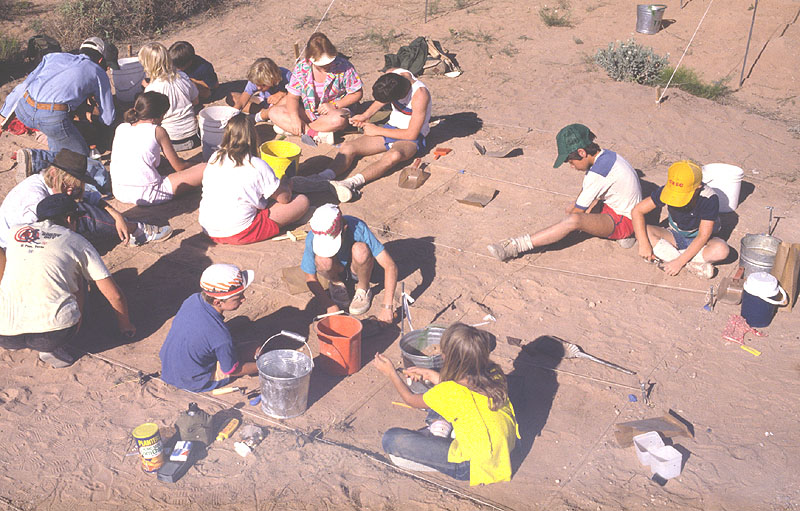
column 339, row 344
column 212, row 121
column 648, row 18
column 282, row 156
column 759, row 302
column 285, row 377
column 645, row 444
column 128, row 79
column 726, row 181
column 666, row 462
column 412, row 344
column 758, row 252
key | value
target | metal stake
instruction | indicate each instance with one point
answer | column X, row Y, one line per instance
column 747, row 49
column 769, row 225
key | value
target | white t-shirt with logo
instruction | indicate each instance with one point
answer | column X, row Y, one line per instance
column 233, row 195
column 46, row 265
column 614, row 181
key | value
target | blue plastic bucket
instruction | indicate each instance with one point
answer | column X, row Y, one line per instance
column 758, row 299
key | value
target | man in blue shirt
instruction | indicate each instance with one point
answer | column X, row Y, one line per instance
column 58, row 86
column 199, row 354
column 340, row 245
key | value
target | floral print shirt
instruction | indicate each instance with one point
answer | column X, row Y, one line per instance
column 342, row 79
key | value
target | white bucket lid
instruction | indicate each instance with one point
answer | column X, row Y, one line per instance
column 762, row 284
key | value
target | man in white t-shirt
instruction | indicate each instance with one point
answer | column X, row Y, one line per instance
column 43, row 291
column 609, row 179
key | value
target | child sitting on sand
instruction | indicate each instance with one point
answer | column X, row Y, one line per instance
column 243, row 202
column 136, row 154
column 470, row 397
column 266, row 87
column 180, row 120
column 693, row 220
column 199, row 70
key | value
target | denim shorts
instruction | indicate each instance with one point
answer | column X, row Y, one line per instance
column 388, row 141
column 681, row 241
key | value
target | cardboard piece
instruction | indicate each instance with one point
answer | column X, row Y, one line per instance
column 479, row 198
column 295, row 279
column 788, row 278
column 295, row 235
column 668, row 425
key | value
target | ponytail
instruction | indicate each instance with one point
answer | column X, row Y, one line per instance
column 131, row 116
column 150, row 105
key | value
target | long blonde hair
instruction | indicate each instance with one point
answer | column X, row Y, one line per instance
column 239, row 141
column 156, row 62
column 465, row 350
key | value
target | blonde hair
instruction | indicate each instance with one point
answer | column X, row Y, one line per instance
column 58, row 180
column 239, row 141
column 264, row 72
column 156, row 62
column 318, row 45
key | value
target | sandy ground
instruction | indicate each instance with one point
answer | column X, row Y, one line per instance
column 65, row 433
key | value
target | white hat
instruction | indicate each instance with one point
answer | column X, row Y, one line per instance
column 225, row 280
column 108, row 51
column 323, row 60
column 326, row 224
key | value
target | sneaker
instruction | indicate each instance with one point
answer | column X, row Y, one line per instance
column 24, row 166
column 626, row 242
column 339, row 294
column 362, row 301
column 150, row 233
column 343, row 191
column 702, row 270
column 278, row 130
column 410, row 465
column 504, row 250
column 324, row 137
column 309, row 184
column 59, row 358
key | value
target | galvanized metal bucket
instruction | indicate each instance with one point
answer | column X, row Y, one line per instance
column 758, row 253
column 285, row 376
column 412, row 344
column 648, row 18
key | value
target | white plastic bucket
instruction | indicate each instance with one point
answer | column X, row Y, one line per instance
column 128, row 79
column 726, row 181
column 212, row 120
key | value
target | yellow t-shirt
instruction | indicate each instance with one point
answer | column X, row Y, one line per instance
column 484, row 437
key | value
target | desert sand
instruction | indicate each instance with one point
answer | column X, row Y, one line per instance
column 65, row 434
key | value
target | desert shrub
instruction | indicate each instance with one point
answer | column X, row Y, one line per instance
column 10, row 49
column 74, row 20
column 558, row 16
column 380, row 39
column 631, row 62
column 688, row 80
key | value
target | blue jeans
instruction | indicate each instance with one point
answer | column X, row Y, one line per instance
column 426, row 449
column 95, row 223
column 61, row 132
column 42, row 159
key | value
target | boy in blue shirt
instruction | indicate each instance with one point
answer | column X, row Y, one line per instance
column 340, row 245
column 199, row 70
column 199, row 354
column 693, row 220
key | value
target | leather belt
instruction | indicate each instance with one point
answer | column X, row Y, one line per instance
column 46, row 106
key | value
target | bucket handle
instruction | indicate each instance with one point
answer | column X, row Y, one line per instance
column 780, row 303
column 291, row 335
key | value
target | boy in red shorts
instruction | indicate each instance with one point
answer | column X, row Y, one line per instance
column 609, row 178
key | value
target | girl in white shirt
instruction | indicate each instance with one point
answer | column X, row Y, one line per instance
column 136, row 154
column 243, row 202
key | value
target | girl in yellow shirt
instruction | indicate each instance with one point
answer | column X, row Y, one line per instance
column 471, row 394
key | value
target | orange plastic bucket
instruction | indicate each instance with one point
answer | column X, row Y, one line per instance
column 339, row 344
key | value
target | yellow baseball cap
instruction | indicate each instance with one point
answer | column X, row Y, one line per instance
column 683, row 178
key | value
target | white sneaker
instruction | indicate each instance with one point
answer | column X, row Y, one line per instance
column 324, row 137
column 24, row 165
column 362, row 300
column 504, row 250
column 59, row 358
column 410, row 465
column 150, row 233
column 702, row 270
column 344, row 191
column 626, row 242
column 278, row 130
column 339, row 294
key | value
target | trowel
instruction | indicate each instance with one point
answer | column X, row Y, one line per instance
column 414, row 176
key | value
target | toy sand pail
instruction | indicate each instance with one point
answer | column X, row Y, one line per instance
column 726, row 181
column 128, row 79
column 285, row 377
column 413, row 343
column 282, row 156
column 648, row 18
column 212, row 121
column 339, row 345
column 148, row 441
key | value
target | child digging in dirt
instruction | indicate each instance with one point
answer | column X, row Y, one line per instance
column 693, row 220
column 609, row 178
column 199, row 70
column 469, row 397
column 266, row 87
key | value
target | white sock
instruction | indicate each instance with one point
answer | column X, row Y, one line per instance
column 524, row 242
column 356, row 181
column 258, row 118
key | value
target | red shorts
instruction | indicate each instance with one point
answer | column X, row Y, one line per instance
column 261, row 229
column 623, row 227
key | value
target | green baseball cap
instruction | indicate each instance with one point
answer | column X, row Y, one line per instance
column 571, row 138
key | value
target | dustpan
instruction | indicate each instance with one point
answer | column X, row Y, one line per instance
column 414, row 176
